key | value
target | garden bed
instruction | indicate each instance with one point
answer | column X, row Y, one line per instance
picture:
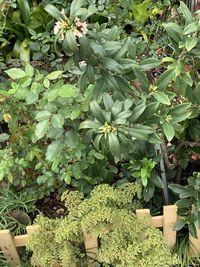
column 9, row 244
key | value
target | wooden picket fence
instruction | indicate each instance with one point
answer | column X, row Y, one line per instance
column 9, row 244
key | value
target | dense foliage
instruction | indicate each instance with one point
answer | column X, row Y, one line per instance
column 101, row 92
column 107, row 215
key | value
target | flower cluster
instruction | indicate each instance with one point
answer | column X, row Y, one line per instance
column 63, row 25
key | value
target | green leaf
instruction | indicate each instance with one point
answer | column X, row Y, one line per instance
column 192, row 27
column 97, row 112
column 99, row 156
column 138, row 110
column 150, row 63
column 168, row 131
column 179, row 225
column 192, row 229
column 54, row 12
column 71, row 139
column 114, row 145
column 97, row 49
column 43, row 115
column 71, row 41
column 184, row 203
column 57, row 121
column 197, row 93
column 90, row 125
column 75, row 8
column 142, row 79
column 112, row 65
column 25, row 10
column 68, row 90
column 54, row 75
column 165, row 78
column 108, row 102
column 191, row 42
column 161, row 97
column 140, row 131
column 29, row 70
column 41, row 129
column 176, row 188
column 16, row 73
column 186, row 12
column 54, row 150
column 4, row 137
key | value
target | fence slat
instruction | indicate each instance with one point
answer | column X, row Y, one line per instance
column 8, row 248
column 169, row 219
column 91, row 247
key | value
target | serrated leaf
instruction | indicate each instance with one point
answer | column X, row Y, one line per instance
column 41, row 129
column 43, row 115
column 57, row 121
column 4, row 137
column 53, row 150
column 71, row 139
column 161, row 97
column 168, row 131
column 68, row 90
column 16, row 73
column 54, row 75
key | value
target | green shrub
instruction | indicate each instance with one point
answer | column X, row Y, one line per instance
column 107, row 215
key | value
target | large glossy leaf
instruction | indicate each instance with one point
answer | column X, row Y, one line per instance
column 71, row 41
column 114, row 145
column 179, row 225
column 90, row 125
column 97, row 112
column 54, row 12
column 75, row 7
column 108, row 102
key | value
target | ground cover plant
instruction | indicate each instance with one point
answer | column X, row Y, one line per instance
column 101, row 92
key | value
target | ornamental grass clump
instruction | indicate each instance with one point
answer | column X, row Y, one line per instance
column 107, row 215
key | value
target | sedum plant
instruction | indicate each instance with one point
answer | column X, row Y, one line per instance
column 106, row 214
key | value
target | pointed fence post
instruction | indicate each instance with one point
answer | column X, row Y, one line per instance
column 91, row 247
column 169, row 219
column 8, row 248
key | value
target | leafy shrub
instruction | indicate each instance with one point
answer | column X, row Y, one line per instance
column 108, row 215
